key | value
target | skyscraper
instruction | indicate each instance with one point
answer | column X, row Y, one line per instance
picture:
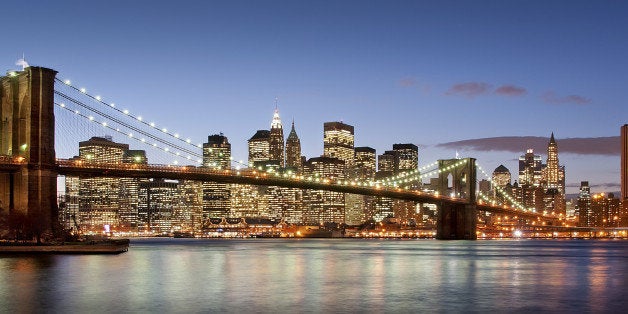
column 554, row 173
column 624, row 164
column 585, row 217
column 324, row 206
column 259, row 147
column 359, row 208
column 105, row 201
column 499, row 181
column 408, row 157
column 276, row 144
column 530, row 168
column 216, row 196
column 338, row 142
column 158, row 200
column 293, row 150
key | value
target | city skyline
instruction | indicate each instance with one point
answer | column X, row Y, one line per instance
column 393, row 72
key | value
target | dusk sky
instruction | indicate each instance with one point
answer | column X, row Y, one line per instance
column 445, row 75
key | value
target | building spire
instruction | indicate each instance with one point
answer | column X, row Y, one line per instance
column 276, row 123
column 552, row 140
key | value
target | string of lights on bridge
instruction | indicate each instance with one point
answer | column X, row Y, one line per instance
column 503, row 193
column 393, row 181
column 137, row 119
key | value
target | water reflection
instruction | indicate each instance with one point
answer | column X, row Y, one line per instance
column 325, row 275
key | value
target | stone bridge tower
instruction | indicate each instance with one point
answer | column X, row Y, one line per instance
column 27, row 130
column 457, row 178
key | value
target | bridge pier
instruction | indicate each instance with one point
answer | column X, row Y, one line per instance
column 456, row 222
column 28, row 125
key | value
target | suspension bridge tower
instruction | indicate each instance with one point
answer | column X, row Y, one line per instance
column 457, row 221
column 27, row 132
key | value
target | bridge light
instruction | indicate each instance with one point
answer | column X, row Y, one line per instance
column 112, row 105
column 83, row 90
column 187, row 140
column 164, row 130
column 152, row 124
column 62, row 105
column 90, row 118
column 67, row 82
column 104, row 124
column 139, row 118
column 130, row 134
column 98, row 98
column 176, row 135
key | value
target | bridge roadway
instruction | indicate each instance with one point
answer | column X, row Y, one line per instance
column 82, row 169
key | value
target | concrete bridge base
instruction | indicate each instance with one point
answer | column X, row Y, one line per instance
column 456, row 222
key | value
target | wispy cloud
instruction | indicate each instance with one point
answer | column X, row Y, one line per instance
column 551, row 98
column 468, row 89
column 518, row 144
column 511, row 90
column 606, row 186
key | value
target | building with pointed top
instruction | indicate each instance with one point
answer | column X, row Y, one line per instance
column 276, row 141
column 293, row 150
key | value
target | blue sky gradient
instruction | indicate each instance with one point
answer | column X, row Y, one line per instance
column 408, row 71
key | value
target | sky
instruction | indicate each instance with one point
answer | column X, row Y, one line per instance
column 484, row 79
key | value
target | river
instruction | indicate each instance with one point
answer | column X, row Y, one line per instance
column 324, row 276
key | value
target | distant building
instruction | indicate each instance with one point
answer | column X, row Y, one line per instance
column 259, row 147
column 293, row 151
column 104, row 201
column 583, row 206
column 216, row 196
column 530, row 168
column 158, row 201
column 338, row 142
column 624, row 163
column 324, row 206
column 276, row 143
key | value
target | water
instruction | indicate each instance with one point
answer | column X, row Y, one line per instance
column 324, row 276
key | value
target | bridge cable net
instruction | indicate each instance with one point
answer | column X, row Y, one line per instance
column 126, row 126
column 506, row 196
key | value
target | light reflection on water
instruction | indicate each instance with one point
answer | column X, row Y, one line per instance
column 324, row 275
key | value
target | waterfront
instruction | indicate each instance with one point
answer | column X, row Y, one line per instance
column 324, row 275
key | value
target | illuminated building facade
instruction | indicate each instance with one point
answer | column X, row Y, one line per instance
column 407, row 160
column 276, row 142
column 338, row 142
column 190, row 212
column 99, row 198
column 259, row 147
column 324, row 206
column 624, row 165
column 500, row 183
column 530, row 168
column 216, row 196
column 293, row 151
column 158, row 201
column 359, row 208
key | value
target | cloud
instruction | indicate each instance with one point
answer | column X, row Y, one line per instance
column 510, row 90
column 606, row 186
column 468, row 89
column 551, row 98
column 518, row 144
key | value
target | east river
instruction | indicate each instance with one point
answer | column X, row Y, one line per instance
column 324, row 276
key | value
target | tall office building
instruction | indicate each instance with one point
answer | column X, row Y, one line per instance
column 276, row 144
column 554, row 172
column 259, row 147
column 293, row 151
column 583, row 210
column 129, row 191
column 407, row 156
column 216, row 196
column 99, row 198
column 624, row 164
column 158, row 200
column 191, row 205
column 324, row 206
column 530, row 168
column 338, row 142
column 359, row 208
